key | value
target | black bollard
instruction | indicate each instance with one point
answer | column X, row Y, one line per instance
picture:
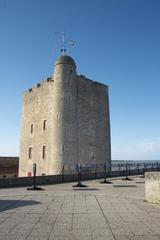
column 35, row 187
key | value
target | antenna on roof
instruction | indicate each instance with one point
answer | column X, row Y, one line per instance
column 65, row 42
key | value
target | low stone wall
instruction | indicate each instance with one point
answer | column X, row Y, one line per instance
column 53, row 179
column 9, row 167
column 152, row 187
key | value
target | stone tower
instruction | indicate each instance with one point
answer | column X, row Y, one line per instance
column 65, row 122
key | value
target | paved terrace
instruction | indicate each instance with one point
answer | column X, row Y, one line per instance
column 62, row 213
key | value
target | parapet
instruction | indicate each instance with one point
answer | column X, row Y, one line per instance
column 98, row 84
column 40, row 84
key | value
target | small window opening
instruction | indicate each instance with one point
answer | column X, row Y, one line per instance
column 30, row 153
column 71, row 71
column 31, row 128
column 44, row 124
column 92, row 101
column 44, row 152
column 68, row 97
column 38, row 85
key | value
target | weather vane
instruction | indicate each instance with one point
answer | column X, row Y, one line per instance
column 65, row 42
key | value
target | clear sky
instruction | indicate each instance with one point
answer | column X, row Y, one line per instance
column 117, row 43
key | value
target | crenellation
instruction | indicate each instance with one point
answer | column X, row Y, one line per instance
column 40, row 84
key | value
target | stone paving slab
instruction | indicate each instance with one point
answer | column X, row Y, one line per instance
column 101, row 211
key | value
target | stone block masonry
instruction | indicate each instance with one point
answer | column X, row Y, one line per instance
column 152, row 187
column 65, row 121
column 9, row 167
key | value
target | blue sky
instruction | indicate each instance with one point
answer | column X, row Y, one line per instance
column 117, row 43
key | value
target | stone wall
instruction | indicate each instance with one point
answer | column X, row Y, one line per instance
column 9, row 167
column 152, row 186
column 93, row 122
column 37, row 107
column 46, row 180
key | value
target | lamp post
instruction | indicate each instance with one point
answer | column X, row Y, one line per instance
column 34, row 175
column 79, row 184
column 126, row 171
column 35, row 187
column 105, row 175
column 95, row 168
column 62, row 174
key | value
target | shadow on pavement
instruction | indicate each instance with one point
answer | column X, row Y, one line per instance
column 86, row 189
column 129, row 185
column 11, row 204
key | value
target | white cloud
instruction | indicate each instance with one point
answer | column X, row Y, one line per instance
column 150, row 146
column 142, row 150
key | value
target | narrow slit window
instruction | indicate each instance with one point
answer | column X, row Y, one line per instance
column 68, row 97
column 31, row 128
column 44, row 125
column 92, row 101
column 44, row 152
column 92, row 153
column 30, row 153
